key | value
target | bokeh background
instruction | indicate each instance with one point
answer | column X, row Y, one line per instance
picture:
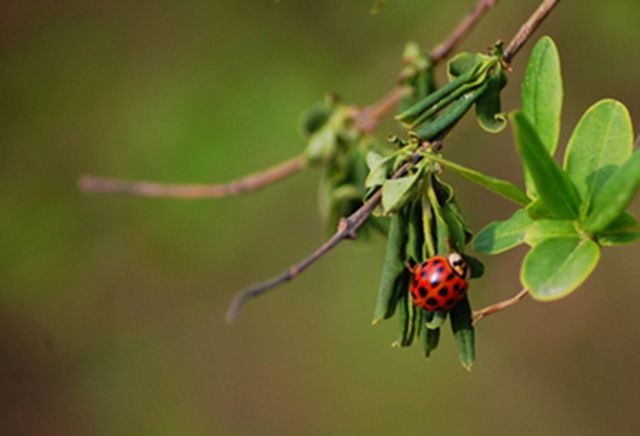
column 111, row 308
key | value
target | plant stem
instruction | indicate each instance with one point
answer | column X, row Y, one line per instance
column 347, row 229
column 528, row 28
column 348, row 226
column 464, row 27
column 368, row 119
column 497, row 307
column 249, row 183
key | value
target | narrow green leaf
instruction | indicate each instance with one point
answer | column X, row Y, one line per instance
column 556, row 267
column 552, row 184
column 500, row 236
column 392, row 269
column 624, row 230
column 488, row 107
column 439, row 317
column 415, row 243
column 542, row 92
column 397, row 192
column 441, row 230
column 501, row 187
column 410, row 319
column 464, row 62
column 600, row 143
column 462, row 326
column 430, row 340
column 544, row 229
column 615, row 195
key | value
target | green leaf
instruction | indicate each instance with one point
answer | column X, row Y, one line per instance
column 542, row 93
column 501, row 187
column 556, row 267
column 392, row 270
column 322, row 146
column 439, row 317
column 410, row 319
column 464, row 62
column 615, row 195
column 430, row 340
column 314, row 118
column 600, row 143
column 500, row 236
column 552, row 184
column 544, row 229
column 624, row 230
column 475, row 266
column 488, row 108
column 397, row 192
column 462, row 326
column 380, row 168
column 538, row 210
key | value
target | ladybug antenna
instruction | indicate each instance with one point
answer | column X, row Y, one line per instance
column 411, row 266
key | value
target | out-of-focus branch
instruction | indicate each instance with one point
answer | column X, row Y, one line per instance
column 249, row 183
column 497, row 307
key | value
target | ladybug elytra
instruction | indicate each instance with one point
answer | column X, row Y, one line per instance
column 439, row 282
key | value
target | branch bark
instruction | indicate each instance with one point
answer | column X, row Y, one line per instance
column 527, row 29
column 501, row 305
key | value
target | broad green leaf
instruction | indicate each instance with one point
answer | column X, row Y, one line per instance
column 537, row 210
column 544, row 229
column 600, row 143
column 396, row 192
column 392, row 270
column 380, row 167
column 462, row 326
column 501, row 187
column 500, row 236
column 552, row 184
column 624, row 230
column 542, row 93
column 556, row 267
column 615, row 195
column 488, row 108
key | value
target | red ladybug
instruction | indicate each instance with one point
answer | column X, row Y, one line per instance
column 439, row 283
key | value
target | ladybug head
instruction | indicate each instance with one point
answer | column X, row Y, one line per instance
column 458, row 265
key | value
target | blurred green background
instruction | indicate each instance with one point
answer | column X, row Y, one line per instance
column 111, row 308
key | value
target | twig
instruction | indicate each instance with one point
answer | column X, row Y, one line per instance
column 369, row 118
column 348, row 226
column 347, row 229
column 249, row 183
column 528, row 28
column 497, row 307
column 464, row 27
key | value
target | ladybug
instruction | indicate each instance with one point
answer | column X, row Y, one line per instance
column 439, row 282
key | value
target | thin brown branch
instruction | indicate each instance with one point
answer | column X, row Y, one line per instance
column 347, row 229
column 349, row 226
column 497, row 307
column 464, row 27
column 528, row 28
column 369, row 118
column 249, row 183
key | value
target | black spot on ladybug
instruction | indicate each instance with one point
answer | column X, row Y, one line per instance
column 450, row 302
column 441, row 270
column 415, row 283
column 457, row 287
column 437, row 262
column 432, row 301
column 435, row 282
column 450, row 276
column 444, row 291
column 422, row 291
column 424, row 274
